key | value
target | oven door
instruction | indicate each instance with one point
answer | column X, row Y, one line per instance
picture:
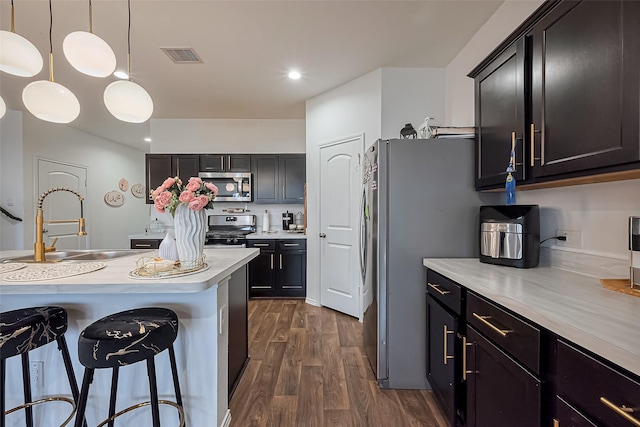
column 232, row 187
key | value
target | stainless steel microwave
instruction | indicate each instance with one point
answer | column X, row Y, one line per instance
column 232, row 186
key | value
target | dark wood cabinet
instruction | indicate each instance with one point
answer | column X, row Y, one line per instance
column 185, row 166
column 145, row 243
column 280, row 270
column 442, row 357
column 157, row 169
column 500, row 392
column 238, row 327
column 278, row 178
column 500, row 116
column 585, row 86
column 568, row 416
column 566, row 83
column 225, row 163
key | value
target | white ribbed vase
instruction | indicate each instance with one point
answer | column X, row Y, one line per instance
column 190, row 228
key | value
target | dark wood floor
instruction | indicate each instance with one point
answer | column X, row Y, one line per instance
column 307, row 368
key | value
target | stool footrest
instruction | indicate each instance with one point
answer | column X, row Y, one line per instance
column 140, row 405
column 46, row 400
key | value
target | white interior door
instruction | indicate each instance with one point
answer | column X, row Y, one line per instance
column 62, row 204
column 340, row 184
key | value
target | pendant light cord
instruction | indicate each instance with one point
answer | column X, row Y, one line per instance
column 50, row 42
column 129, row 41
column 90, row 17
column 13, row 26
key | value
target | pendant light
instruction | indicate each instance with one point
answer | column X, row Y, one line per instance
column 3, row 107
column 126, row 100
column 88, row 53
column 48, row 100
column 18, row 56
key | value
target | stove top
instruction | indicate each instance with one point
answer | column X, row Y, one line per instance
column 229, row 230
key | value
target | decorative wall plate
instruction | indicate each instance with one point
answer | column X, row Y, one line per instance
column 123, row 184
column 138, row 190
column 114, row 198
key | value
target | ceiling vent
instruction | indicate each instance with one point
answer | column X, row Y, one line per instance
column 182, row 55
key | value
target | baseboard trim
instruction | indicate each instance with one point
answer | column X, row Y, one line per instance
column 312, row 302
column 226, row 422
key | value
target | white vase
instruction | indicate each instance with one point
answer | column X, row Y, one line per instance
column 168, row 248
column 190, row 229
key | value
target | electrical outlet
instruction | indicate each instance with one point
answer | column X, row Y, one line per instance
column 574, row 238
column 36, row 370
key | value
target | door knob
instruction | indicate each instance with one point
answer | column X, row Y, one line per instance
column 322, row 235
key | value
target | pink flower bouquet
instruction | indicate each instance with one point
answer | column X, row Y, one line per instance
column 196, row 194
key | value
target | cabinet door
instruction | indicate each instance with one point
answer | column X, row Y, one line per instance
column 265, row 178
column 157, row 169
column 292, row 274
column 212, row 162
column 261, row 274
column 442, row 356
column 239, row 162
column 500, row 103
column 500, row 392
column 585, row 86
column 292, row 176
column 185, row 166
column 145, row 243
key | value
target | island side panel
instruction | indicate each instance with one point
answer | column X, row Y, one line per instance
column 198, row 347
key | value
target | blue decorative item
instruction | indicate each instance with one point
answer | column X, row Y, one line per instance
column 510, row 184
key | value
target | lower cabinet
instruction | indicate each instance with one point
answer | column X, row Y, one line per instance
column 145, row 243
column 500, row 392
column 238, row 328
column 280, row 270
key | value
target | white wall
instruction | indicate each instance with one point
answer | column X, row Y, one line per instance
column 106, row 162
column 227, row 136
column 11, row 186
column 600, row 211
column 377, row 104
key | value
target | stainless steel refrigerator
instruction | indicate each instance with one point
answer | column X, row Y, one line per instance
column 418, row 201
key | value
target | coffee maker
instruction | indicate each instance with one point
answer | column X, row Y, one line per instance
column 510, row 235
column 287, row 220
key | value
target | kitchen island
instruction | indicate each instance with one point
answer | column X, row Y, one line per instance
column 201, row 301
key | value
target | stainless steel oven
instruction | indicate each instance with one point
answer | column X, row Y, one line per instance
column 229, row 231
column 232, row 186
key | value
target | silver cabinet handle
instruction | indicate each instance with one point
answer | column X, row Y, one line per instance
column 260, row 244
column 272, row 261
column 143, row 245
column 292, row 244
column 280, row 261
column 322, row 235
column 222, row 163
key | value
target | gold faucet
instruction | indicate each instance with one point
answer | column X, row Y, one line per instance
column 39, row 249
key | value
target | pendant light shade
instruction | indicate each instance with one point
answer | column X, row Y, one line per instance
column 18, row 56
column 3, row 107
column 50, row 101
column 128, row 101
column 89, row 54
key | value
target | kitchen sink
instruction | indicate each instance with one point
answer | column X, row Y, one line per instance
column 79, row 255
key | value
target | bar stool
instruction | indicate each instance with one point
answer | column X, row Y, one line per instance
column 126, row 338
column 24, row 330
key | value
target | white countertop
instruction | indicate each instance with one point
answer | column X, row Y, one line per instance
column 114, row 278
column 555, row 296
column 154, row 236
column 278, row 234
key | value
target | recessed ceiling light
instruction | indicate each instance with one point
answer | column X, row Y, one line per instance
column 294, row 75
column 121, row 74
column 147, row 139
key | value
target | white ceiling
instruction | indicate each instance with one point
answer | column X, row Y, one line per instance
column 246, row 47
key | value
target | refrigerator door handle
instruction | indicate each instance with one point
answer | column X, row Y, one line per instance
column 363, row 235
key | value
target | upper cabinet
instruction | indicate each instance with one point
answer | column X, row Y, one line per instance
column 500, row 116
column 278, row 178
column 225, row 163
column 185, row 166
column 564, row 90
column 584, row 86
column 157, row 169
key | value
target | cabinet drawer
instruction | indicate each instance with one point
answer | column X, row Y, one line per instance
column 444, row 290
column 516, row 337
column 262, row 244
column 292, row 245
column 568, row 416
column 145, row 243
column 596, row 389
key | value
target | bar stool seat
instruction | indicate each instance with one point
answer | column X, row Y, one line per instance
column 126, row 338
column 24, row 330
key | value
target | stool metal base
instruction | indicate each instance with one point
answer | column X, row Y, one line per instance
column 140, row 405
column 46, row 400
